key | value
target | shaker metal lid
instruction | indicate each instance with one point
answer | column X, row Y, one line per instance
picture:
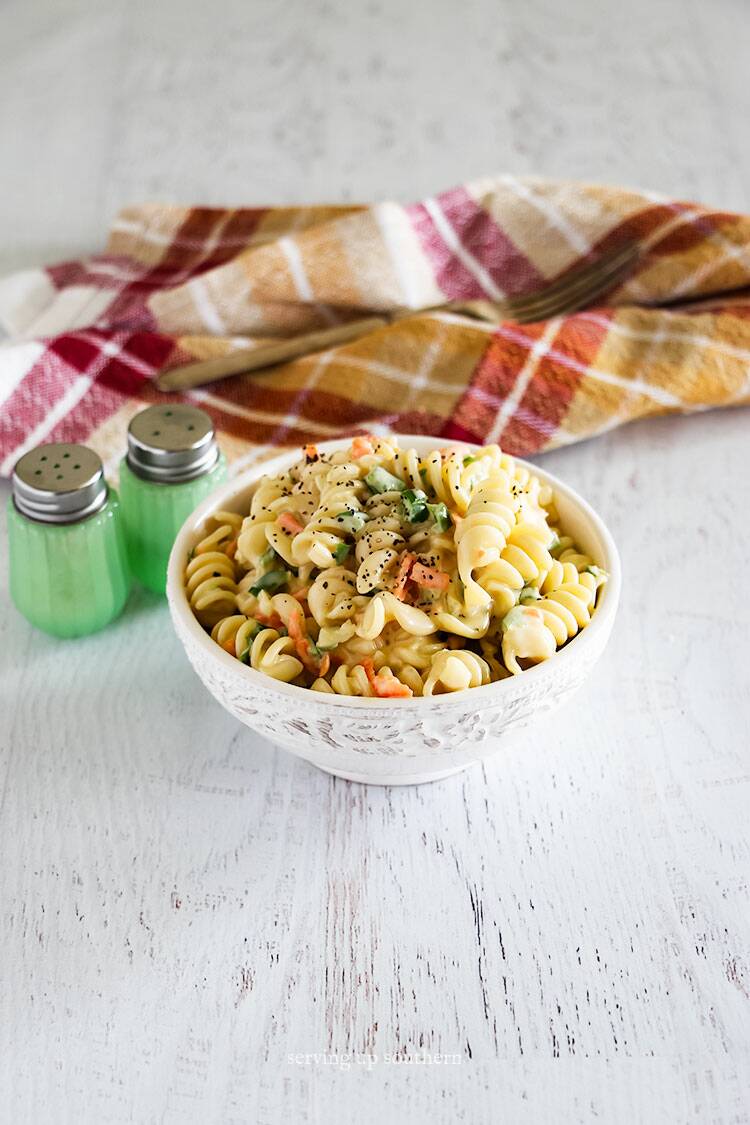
column 59, row 483
column 171, row 443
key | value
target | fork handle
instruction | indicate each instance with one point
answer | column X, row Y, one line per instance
column 252, row 359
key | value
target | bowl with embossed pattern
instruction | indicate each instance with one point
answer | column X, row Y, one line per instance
column 393, row 741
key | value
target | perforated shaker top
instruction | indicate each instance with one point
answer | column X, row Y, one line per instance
column 59, row 483
column 171, row 443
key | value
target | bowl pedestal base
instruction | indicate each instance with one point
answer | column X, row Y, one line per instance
column 396, row 779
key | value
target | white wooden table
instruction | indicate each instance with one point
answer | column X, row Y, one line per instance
column 197, row 928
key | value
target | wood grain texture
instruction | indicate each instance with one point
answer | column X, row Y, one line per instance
column 189, row 917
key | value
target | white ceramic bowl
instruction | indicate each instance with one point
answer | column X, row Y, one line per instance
column 392, row 741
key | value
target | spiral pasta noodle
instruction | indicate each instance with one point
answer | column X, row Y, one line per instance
column 210, row 573
column 482, row 536
column 456, row 670
column 326, row 530
column 335, row 604
column 378, row 543
column 273, row 654
column 377, row 572
column 524, row 560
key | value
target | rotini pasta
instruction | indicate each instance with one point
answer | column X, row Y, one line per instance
column 456, row 670
column 379, row 573
column 210, row 575
column 482, row 535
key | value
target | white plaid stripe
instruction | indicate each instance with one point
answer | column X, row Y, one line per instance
column 638, row 291
column 23, row 297
column 396, row 374
column 16, row 360
column 696, row 279
column 145, row 233
column 495, row 402
column 456, row 246
column 205, row 307
column 637, row 386
column 322, row 362
column 110, row 348
column 697, row 340
column 264, row 417
column 410, row 265
column 38, row 435
column 509, row 406
column 574, row 238
column 291, row 252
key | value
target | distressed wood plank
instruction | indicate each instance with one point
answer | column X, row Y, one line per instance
column 190, row 917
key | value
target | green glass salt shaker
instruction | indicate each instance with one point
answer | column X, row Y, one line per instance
column 172, row 463
column 68, row 564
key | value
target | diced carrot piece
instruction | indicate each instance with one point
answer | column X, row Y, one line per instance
column 385, row 687
column 296, row 626
column 362, row 445
column 402, row 576
column 272, row 621
column 302, row 648
column 301, row 595
column 228, row 646
column 388, row 687
column 298, row 633
column 231, row 548
column 290, row 523
column 311, row 452
column 369, row 668
column 430, row 577
column 325, row 664
column 532, row 611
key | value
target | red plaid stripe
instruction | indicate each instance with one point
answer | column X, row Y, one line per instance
column 544, row 404
column 479, row 235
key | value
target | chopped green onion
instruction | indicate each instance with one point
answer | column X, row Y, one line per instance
column 512, row 618
column 441, row 516
column 352, row 521
column 596, row 571
column 267, row 557
column 417, row 509
column 380, row 480
column 245, row 655
column 316, row 650
column 423, row 473
column 414, row 503
column 271, row 580
column 468, row 460
column 529, row 594
column 341, row 552
column 554, row 545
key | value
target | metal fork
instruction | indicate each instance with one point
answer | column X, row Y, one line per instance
column 577, row 289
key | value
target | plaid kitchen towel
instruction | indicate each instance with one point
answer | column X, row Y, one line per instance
column 87, row 338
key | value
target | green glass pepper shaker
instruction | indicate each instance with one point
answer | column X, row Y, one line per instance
column 172, row 463
column 68, row 564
